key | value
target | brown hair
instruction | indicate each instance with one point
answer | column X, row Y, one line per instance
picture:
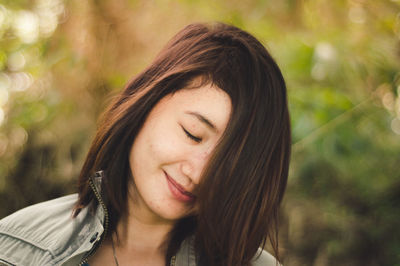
column 245, row 179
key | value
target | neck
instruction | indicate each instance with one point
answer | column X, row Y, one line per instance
column 140, row 231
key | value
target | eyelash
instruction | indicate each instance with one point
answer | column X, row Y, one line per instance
column 194, row 138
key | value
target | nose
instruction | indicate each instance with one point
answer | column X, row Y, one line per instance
column 193, row 165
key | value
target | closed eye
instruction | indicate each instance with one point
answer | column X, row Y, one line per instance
column 196, row 139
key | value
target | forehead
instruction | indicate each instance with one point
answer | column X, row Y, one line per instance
column 207, row 100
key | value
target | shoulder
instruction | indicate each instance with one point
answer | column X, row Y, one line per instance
column 33, row 220
column 263, row 258
column 43, row 208
column 38, row 234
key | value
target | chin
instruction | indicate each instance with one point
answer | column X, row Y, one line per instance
column 174, row 215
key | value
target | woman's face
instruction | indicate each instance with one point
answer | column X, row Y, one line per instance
column 172, row 148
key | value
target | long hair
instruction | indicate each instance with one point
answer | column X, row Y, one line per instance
column 244, row 181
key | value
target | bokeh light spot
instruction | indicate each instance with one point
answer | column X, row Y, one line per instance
column 395, row 125
column 5, row 81
column 1, row 116
column 18, row 137
column 3, row 96
column 388, row 101
column 49, row 12
column 26, row 26
column 325, row 51
column 16, row 61
column 20, row 81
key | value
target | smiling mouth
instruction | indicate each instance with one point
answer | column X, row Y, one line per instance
column 178, row 191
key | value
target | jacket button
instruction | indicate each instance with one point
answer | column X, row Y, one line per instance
column 94, row 237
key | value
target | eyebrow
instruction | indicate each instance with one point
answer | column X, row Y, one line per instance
column 203, row 119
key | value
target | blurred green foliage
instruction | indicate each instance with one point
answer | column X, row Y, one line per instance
column 60, row 62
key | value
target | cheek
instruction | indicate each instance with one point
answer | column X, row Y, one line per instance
column 165, row 148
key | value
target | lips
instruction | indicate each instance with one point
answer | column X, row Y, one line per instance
column 178, row 191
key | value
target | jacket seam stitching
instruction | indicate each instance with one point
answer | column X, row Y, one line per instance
column 7, row 234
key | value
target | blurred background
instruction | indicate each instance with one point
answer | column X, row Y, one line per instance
column 61, row 60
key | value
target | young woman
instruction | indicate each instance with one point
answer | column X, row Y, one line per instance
column 188, row 167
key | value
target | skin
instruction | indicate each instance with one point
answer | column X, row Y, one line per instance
column 175, row 141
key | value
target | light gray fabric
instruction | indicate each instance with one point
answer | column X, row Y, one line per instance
column 264, row 259
column 187, row 257
column 46, row 233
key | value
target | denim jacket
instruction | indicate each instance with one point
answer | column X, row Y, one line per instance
column 46, row 234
